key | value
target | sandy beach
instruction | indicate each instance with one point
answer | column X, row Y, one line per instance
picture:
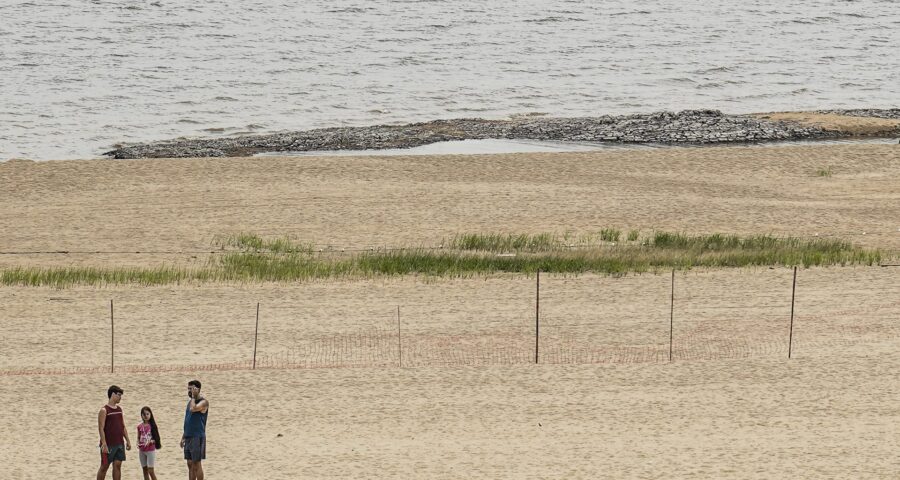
column 330, row 398
column 174, row 205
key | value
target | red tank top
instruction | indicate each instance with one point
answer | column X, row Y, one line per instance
column 114, row 429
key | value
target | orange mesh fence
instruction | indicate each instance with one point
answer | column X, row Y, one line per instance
column 581, row 321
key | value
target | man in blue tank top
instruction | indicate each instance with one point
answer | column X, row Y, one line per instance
column 194, row 439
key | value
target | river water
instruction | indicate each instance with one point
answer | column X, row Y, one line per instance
column 77, row 76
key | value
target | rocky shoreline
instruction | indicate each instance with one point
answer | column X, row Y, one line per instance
column 682, row 128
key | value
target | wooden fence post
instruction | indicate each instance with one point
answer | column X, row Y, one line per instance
column 537, row 316
column 672, row 315
column 256, row 336
column 791, row 331
column 112, row 339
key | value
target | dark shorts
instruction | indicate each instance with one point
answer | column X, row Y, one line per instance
column 116, row 453
column 195, row 448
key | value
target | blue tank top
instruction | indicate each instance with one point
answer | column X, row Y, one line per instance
column 195, row 422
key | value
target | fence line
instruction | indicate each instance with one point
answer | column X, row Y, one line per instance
column 379, row 349
column 384, row 346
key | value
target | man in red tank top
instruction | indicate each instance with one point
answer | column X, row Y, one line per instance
column 112, row 432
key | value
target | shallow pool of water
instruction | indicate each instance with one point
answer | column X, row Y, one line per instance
column 498, row 146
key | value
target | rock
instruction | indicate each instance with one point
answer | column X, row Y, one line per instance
column 688, row 126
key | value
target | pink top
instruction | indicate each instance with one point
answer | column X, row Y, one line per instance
column 145, row 438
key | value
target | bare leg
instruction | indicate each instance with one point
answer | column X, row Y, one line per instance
column 198, row 470
column 101, row 472
column 146, row 473
column 190, row 466
column 152, row 473
column 117, row 470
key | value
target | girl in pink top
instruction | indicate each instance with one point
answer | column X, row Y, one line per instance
column 148, row 443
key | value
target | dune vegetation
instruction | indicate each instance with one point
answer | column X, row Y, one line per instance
column 247, row 257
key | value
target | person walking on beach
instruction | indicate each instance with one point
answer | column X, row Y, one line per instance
column 194, row 439
column 111, row 424
column 148, row 443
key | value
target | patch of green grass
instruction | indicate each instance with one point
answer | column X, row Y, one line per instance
column 824, row 172
column 70, row 276
column 633, row 235
column 252, row 242
column 270, row 261
column 494, row 242
column 719, row 242
column 610, row 235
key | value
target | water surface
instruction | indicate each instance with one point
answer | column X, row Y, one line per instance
column 79, row 76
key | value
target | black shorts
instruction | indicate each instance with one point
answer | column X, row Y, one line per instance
column 195, row 448
column 116, row 453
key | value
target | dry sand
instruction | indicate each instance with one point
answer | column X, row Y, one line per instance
column 847, row 125
column 358, row 202
column 832, row 417
column 603, row 403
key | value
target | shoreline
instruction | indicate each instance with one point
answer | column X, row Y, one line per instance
column 685, row 128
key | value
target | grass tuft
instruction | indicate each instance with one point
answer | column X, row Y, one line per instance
column 250, row 242
column 505, row 243
column 610, row 235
